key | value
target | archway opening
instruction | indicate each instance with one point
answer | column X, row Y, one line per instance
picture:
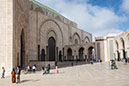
column 91, row 53
column 51, row 48
column 81, row 54
column 22, row 57
column 123, row 47
column 60, row 56
column 43, row 55
column 118, row 54
column 69, row 54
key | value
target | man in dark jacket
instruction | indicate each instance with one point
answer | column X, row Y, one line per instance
column 18, row 71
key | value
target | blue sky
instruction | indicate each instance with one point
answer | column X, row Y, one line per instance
column 98, row 17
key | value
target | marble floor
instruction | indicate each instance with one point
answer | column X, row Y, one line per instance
column 82, row 75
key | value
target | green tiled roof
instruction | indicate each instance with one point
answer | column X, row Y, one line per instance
column 41, row 5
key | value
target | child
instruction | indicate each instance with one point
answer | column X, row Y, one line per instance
column 57, row 71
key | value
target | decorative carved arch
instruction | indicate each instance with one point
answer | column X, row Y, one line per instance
column 117, row 45
column 76, row 34
column 39, row 9
column 86, row 38
column 42, row 26
column 58, row 18
column 127, row 40
column 49, row 33
column 122, row 43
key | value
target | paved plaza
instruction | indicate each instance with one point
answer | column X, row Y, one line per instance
column 81, row 75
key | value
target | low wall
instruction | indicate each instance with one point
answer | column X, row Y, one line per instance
column 66, row 64
column 40, row 64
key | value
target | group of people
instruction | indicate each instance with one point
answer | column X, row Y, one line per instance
column 16, row 75
column 29, row 68
column 46, row 70
column 113, row 65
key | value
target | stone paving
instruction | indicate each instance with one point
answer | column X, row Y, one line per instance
column 82, row 75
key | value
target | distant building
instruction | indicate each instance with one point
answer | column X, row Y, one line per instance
column 105, row 47
column 113, row 46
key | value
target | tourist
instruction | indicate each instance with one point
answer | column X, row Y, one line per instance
column 18, row 71
column 114, row 65
column 124, row 61
column 33, row 68
column 111, row 65
column 57, row 71
column 100, row 61
column 3, row 72
column 13, row 76
column 28, row 68
column 42, row 69
column 90, row 61
column 72, row 64
column 47, row 69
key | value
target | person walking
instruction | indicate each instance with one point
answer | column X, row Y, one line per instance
column 18, row 71
column 47, row 69
column 100, row 61
column 3, row 72
column 43, row 69
column 111, row 65
column 13, row 76
column 57, row 71
column 124, row 61
column 33, row 68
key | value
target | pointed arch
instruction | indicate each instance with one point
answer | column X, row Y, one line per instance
column 86, row 39
column 76, row 36
column 117, row 45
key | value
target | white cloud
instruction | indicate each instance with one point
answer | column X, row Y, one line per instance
column 125, row 5
column 94, row 19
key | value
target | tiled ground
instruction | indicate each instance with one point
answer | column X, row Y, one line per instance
column 82, row 75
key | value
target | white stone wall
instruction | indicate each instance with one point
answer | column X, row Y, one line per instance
column 107, row 47
column 6, row 35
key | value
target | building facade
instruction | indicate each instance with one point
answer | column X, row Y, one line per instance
column 105, row 47
column 32, row 33
column 113, row 46
column 121, row 46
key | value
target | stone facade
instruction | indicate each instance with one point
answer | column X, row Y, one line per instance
column 105, row 47
column 113, row 46
column 121, row 45
column 30, row 30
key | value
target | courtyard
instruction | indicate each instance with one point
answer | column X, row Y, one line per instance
column 81, row 75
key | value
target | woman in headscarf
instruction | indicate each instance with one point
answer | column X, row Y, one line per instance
column 13, row 76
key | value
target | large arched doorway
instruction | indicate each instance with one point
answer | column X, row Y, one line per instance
column 60, row 56
column 81, row 53
column 43, row 55
column 69, row 54
column 51, row 48
column 91, row 53
column 22, row 57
